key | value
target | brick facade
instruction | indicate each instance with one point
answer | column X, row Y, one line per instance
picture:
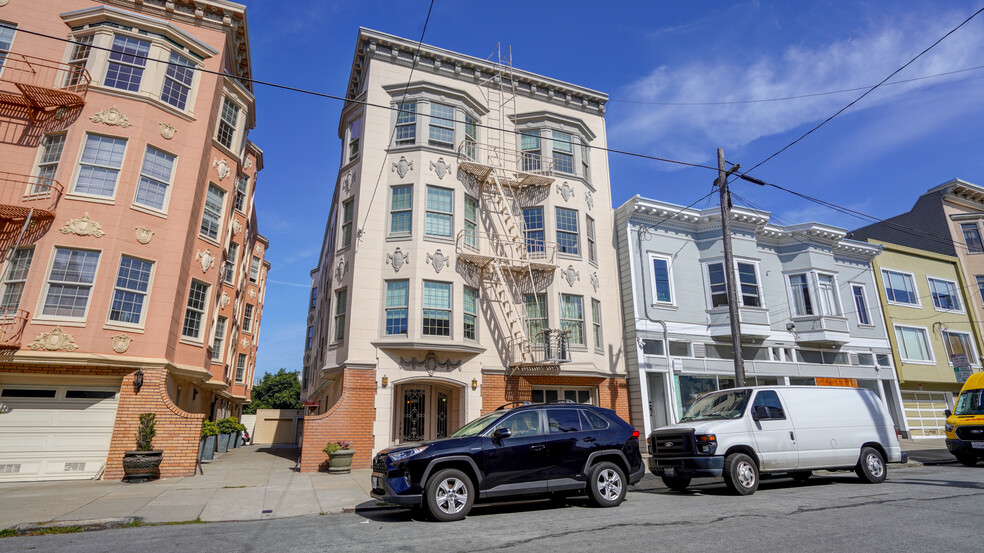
column 351, row 418
column 497, row 390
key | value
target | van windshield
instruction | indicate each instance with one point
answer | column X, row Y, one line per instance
column 970, row 402
column 722, row 405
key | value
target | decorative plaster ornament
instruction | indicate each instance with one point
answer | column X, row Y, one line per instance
column 167, row 131
column 347, row 180
column 429, row 363
column 111, row 117
column 397, row 259
column 438, row 260
column 56, row 340
column 252, row 294
column 259, row 249
column 224, row 300
column 594, row 281
column 441, row 168
column 222, row 168
column 565, row 191
column 248, row 163
column 589, row 198
column 121, row 342
column 144, row 234
column 403, row 166
column 3, row 3
column 571, row 275
column 205, row 259
column 341, row 269
column 236, row 227
column 83, row 226
column 244, row 342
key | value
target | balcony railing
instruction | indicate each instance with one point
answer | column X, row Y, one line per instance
column 19, row 194
column 548, row 348
column 40, row 84
column 12, row 322
column 484, row 247
column 518, row 168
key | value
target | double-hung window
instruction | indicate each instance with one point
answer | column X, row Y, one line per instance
column 239, row 199
column 341, row 308
column 536, row 315
column 212, row 212
column 314, row 298
column 401, row 210
column 13, row 286
column 229, row 267
column 441, row 126
column 355, row 135
column 529, row 144
column 219, row 338
column 440, row 212
column 980, row 285
column 70, row 283
column 397, row 303
column 130, row 292
column 471, row 313
column 254, row 270
column 568, row 236
column 589, row 224
column 748, row 288
column 563, row 152
column 195, row 310
column 719, row 287
column 240, row 367
column 972, row 237
column 177, row 81
column 572, row 318
column 913, row 343
column 535, row 237
column 127, row 61
column 155, row 178
column 802, row 302
column 861, row 304
column 437, row 308
column 471, row 136
column 945, row 295
column 662, row 290
column 348, row 214
column 958, row 343
column 748, row 279
column 471, row 221
column 248, row 318
column 406, row 123
column 310, row 338
column 99, row 168
column 827, row 292
column 596, row 324
column 899, row 287
column 6, row 40
column 77, row 60
column 51, row 151
column 228, row 121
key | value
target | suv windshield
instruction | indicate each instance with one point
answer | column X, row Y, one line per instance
column 724, row 405
column 970, row 402
column 475, row 427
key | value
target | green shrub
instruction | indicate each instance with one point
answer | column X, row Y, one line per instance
column 209, row 428
column 228, row 425
column 241, row 427
column 148, row 429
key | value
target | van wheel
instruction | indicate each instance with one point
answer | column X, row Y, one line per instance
column 676, row 483
column 606, row 485
column 449, row 495
column 741, row 474
column 871, row 467
column 801, row 476
column 967, row 460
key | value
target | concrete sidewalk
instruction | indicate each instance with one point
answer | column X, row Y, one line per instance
column 248, row 483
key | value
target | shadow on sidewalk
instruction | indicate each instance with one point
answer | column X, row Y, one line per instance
column 286, row 452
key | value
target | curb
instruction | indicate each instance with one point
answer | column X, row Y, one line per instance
column 362, row 508
column 82, row 525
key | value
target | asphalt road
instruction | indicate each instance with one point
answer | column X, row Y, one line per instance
column 932, row 508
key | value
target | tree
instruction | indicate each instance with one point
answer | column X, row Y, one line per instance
column 281, row 390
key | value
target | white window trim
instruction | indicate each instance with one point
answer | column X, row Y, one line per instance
column 428, row 211
column 40, row 152
column 975, row 361
column 791, row 296
column 956, row 289
column 72, row 194
column 669, row 272
column 477, row 314
column 929, row 346
column 341, row 225
column 223, row 343
column 70, row 321
column 583, row 346
column 110, row 323
column 561, row 389
column 706, row 275
column 389, row 214
column 200, row 340
column 252, row 318
column 335, row 315
column 170, row 184
column 599, row 345
column 221, row 219
column 918, row 304
column 867, row 304
column 836, row 292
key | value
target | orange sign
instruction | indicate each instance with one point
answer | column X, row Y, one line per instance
column 847, row 382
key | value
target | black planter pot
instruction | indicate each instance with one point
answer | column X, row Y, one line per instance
column 223, row 442
column 141, row 466
column 207, row 448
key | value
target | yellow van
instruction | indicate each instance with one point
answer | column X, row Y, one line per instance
column 965, row 425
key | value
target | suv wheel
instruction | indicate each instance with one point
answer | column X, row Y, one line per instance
column 606, row 485
column 741, row 474
column 871, row 466
column 449, row 495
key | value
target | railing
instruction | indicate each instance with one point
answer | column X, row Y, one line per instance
column 12, row 322
column 496, row 246
column 40, row 82
column 549, row 347
column 523, row 163
column 21, row 193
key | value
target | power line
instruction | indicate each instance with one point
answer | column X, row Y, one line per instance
column 351, row 100
column 869, row 91
column 798, row 97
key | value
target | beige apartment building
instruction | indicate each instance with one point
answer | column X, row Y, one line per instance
column 133, row 272
column 468, row 259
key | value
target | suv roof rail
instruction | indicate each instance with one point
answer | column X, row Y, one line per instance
column 504, row 405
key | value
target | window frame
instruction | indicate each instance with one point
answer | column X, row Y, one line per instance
column 241, row 368
column 911, row 278
column 145, row 304
column 978, row 247
column 136, row 67
column 353, row 139
column 471, row 225
column 709, row 293
column 539, row 244
column 956, row 294
column 78, row 57
column 230, row 265
column 531, row 158
column 596, row 329
column 79, row 165
column 201, row 312
column 168, row 185
column 800, row 289
column 441, row 123
column 43, row 164
column 218, row 339
column 571, row 321
column 404, row 307
column 969, row 340
column 926, row 340
column 45, row 290
column 247, row 324
column 340, row 315
column 834, row 294
column 176, row 83
column 473, row 314
column 254, row 270
column 346, row 223
column 562, row 390
column 592, row 238
column 8, row 271
column 566, row 232
column 668, row 260
column 407, row 211
column 859, row 309
column 406, row 118
column 540, row 300
column 557, row 148
column 217, row 214
column 240, row 194
column 428, row 212
column 449, row 310
column 233, row 126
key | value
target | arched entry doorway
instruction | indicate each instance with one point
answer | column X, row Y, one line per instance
column 426, row 410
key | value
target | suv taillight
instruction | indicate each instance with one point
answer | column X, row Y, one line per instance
column 635, row 434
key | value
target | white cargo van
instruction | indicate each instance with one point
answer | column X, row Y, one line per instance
column 744, row 432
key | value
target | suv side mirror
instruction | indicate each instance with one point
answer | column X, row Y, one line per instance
column 760, row 412
column 501, row 433
column 948, row 413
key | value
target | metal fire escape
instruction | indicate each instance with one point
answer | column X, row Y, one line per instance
column 511, row 262
column 40, row 86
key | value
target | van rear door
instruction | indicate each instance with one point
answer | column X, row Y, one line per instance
column 774, row 434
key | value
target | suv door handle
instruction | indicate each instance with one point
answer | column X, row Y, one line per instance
column 590, row 439
column 537, row 447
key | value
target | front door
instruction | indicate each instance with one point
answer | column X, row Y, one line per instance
column 775, row 435
column 517, row 464
column 424, row 413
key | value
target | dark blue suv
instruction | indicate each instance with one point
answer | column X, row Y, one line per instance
column 523, row 451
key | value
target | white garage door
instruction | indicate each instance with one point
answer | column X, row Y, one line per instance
column 924, row 410
column 55, row 432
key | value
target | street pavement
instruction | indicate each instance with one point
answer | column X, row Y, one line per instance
column 926, row 508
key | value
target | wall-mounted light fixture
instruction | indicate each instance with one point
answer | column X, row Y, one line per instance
column 386, row 380
column 138, row 379
column 474, row 384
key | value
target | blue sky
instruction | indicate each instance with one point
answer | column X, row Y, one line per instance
column 876, row 157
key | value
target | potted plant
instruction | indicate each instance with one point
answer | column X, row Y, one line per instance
column 141, row 464
column 339, row 456
column 226, row 427
column 209, row 432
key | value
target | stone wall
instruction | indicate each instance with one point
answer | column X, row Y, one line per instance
column 351, row 418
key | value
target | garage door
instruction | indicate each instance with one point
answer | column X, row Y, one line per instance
column 55, row 432
column 925, row 413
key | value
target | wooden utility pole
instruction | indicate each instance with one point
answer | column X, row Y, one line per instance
column 729, row 268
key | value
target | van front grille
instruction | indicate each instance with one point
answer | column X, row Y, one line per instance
column 975, row 433
column 671, row 444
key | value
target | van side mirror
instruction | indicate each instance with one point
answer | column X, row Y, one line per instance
column 501, row 433
column 760, row 412
column 948, row 413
